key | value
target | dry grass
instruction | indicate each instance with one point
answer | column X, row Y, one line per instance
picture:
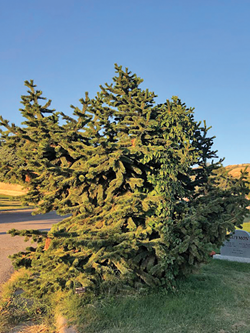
column 235, row 170
column 30, row 328
column 19, row 314
column 11, row 189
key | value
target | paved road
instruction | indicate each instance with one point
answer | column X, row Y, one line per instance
column 19, row 220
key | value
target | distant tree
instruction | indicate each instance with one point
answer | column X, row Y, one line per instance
column 134, row 176
column 8, row 162
column 7, row 155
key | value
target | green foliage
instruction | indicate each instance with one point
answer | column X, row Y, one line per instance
column 8, row 159
column 134, row 176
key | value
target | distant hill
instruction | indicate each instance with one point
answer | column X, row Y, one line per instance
column 11, row 189
column 235, row 169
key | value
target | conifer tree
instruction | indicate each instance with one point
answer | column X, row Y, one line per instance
column 8, row 159
column 143, row 202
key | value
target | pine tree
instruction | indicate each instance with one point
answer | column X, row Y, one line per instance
column 134, row 176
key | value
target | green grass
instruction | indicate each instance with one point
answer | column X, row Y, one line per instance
column 246, row 224
column 217, row 299
column 10, row 203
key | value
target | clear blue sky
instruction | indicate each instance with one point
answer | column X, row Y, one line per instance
column 196, row 49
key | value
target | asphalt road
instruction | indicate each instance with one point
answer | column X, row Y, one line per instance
column 19, row 220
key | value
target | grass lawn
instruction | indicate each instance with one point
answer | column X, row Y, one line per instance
column 246, row 224
column 8, row 202
column 214, row 300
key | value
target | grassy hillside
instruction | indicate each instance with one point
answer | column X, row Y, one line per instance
column 9, row 194
column 11, row 189
column 235, row 169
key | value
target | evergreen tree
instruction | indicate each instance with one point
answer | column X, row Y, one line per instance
column 8, row 158
column 9, row 161
column 134, row 176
